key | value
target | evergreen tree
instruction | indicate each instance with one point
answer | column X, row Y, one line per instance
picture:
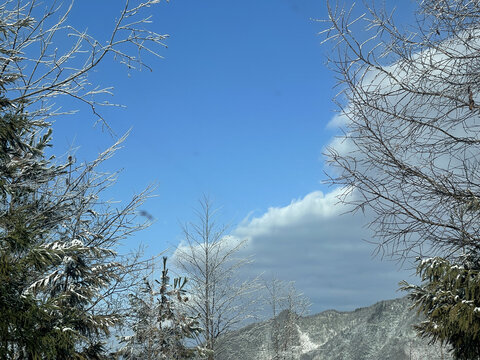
column 58, row 263
column 160, row 327
column 27, row 329
column 60, row 276
column 450, row 300
column 57, row 258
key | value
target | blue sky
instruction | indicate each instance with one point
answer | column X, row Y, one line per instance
column 237, row 109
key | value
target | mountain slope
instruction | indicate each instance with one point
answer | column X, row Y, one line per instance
column 381, row 331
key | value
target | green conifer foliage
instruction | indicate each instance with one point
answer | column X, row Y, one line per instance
column 450, row 299
column 49, row 276
column 27, row 328
column 58, row 265
column 61, row 279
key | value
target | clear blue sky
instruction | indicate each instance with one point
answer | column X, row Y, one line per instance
column 237, row 109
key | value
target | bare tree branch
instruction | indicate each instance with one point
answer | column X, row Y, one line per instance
column 408, row 104
column 208, row 257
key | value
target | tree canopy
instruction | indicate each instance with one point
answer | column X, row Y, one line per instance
column 60, row 273
column 410, row 150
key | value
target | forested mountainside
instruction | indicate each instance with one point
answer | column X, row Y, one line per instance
column 381, row 331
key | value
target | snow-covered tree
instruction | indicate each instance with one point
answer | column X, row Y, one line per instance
column 409, row 106
column 449, row 298
column 58, row 265
column 211, row 260
column 44, row 57
column 60, row 274
column 409, row 155
column 286, row 304
column 160, row 327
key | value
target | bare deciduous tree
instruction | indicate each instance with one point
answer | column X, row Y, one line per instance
column 210, row 260
column 411, row 150
column 286, row 304
column 44, row 56
column 409, row 105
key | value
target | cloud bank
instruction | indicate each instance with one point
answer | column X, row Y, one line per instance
column 314, row 242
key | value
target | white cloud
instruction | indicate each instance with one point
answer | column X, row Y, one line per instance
column 315, row 241
column 312, row 242
column 313, row 206
column 338, row 121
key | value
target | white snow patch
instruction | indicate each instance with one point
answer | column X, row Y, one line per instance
column 306, row 345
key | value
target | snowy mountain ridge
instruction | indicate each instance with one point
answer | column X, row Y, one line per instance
column 381, row 331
